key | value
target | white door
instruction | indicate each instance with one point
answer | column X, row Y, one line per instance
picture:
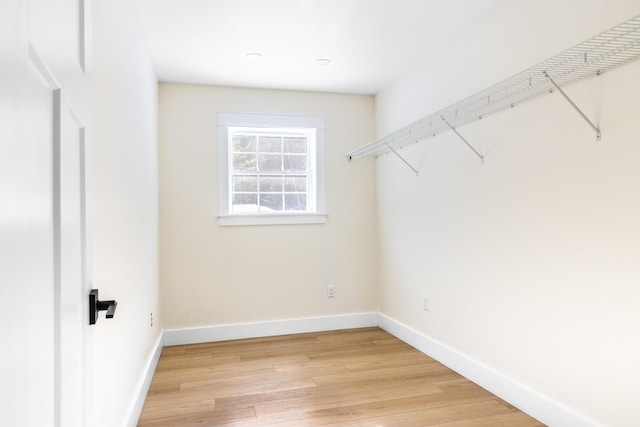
column 46, row 361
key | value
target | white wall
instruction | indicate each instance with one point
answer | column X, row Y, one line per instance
column 530, row 261
column 212, row 275
column 125, row 232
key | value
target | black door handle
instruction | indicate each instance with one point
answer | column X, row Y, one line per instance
column 109, row 306
column 96, row 306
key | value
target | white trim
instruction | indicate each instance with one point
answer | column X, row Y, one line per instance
column 272, row 219
column 145, row 382
column 544, row 409
column 266, row 329
column 317, row 207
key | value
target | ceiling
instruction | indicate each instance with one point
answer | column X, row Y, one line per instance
column 369, row 43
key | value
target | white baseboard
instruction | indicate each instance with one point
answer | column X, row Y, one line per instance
column 533, row 403
column 266, row 329
column 145, row 383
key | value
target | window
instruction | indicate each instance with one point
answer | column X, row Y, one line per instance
column 271, row 169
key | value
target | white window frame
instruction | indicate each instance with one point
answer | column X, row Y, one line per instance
column 274, row 121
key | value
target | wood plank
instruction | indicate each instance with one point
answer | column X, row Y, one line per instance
column 249, row 385
column 202, row 418
column 184, row 407
column 439, row 415
column 512, row 419
column 387, row 372
column 420, row 402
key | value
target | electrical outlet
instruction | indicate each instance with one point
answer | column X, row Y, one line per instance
column 331, row 291
column 425, row 303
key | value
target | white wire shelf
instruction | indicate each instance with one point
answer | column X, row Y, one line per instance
column 610, row 49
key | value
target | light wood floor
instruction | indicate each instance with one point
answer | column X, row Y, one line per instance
column 358, row 377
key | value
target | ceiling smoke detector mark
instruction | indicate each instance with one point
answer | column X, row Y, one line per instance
column 323, row 61
column 254, row 55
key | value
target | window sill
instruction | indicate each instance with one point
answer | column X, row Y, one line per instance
column 271, row 219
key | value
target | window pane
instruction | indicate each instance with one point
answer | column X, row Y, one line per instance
column 295, row 162
column 245, row 203
column 271, row 184
column 244, row 162
column 244, row 143
column 270, row 162
column 271, row 202
column 295, row 184
column 295, row 202
column 270, row 144
column 295, row 145
column 245, row 183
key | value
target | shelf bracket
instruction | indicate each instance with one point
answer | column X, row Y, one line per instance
column 462, row 138
column 401, row 158
column 575, row 107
